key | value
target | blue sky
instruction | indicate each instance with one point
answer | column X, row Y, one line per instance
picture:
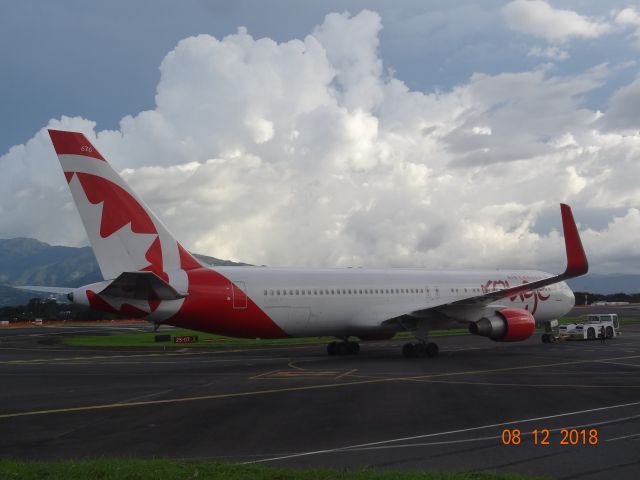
column 523, row 104
column 100, row 59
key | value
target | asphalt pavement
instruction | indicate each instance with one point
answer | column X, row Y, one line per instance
column 296, row 406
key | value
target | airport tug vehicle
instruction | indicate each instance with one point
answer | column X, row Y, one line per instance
column 589, row 328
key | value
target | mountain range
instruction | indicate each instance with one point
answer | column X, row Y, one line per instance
column 26, row 261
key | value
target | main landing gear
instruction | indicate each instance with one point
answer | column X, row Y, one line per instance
column 423, row 348
column 420, row 350
column 344, row 347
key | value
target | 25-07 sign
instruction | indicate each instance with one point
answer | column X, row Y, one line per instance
column 185, row 339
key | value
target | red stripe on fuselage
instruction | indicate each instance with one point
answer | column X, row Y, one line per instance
column 209, row 307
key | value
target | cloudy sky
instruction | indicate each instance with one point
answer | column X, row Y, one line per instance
column 419, row 133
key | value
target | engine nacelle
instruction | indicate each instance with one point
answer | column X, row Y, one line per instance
column 506, row 325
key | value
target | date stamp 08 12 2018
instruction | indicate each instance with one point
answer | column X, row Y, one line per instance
column 545, row 436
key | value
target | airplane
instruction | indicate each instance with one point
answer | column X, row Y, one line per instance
column 149, row 274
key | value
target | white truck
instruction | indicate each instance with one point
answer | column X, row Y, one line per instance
column 590, row 327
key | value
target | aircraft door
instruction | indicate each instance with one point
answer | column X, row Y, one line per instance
column 239, row 294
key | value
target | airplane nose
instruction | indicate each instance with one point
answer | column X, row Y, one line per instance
column 571, row 298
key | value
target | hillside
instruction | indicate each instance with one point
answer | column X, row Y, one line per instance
column 26, row 261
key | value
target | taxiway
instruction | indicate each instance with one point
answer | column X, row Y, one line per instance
column 295, row 406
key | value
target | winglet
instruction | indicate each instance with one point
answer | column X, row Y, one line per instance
column 577, row 263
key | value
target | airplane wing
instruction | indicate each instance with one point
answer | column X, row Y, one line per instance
column 577, row 265
column 53, row 290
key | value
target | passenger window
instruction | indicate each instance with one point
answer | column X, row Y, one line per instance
column 278, row 292
column 270, row 292
column 333, row 292
column 320, row 291
column 297, row 292
column 266, row 293
column 360, row 291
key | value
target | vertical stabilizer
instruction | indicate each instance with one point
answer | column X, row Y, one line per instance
column 125, row 235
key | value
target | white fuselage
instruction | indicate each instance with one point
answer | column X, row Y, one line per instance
column 352, row 301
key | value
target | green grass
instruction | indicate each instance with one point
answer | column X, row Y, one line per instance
column 104, row 469
column 147, row 339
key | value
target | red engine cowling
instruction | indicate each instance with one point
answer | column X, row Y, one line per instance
column 506, row 325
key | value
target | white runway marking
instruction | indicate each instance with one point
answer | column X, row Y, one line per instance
column 450, row 432
column 633, row 435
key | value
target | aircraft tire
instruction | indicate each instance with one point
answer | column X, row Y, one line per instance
column 432, row 350
column 408, row 350
column 354, row 348
column 420, row 350
column 331, row 348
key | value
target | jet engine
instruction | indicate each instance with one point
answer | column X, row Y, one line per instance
column 506, row 325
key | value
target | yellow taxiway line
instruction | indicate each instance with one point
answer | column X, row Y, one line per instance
column 299, row 388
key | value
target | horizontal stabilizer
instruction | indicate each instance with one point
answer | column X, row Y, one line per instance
column 52, row 290
column 141, row 286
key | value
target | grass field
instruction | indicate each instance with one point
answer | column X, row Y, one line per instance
column 104, row 469
column 147, row 339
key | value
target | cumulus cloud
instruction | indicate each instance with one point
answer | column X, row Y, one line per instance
column 630, row 18
column 552, row 53
column 538, row 18
column 623, row 112
column 307, row 153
